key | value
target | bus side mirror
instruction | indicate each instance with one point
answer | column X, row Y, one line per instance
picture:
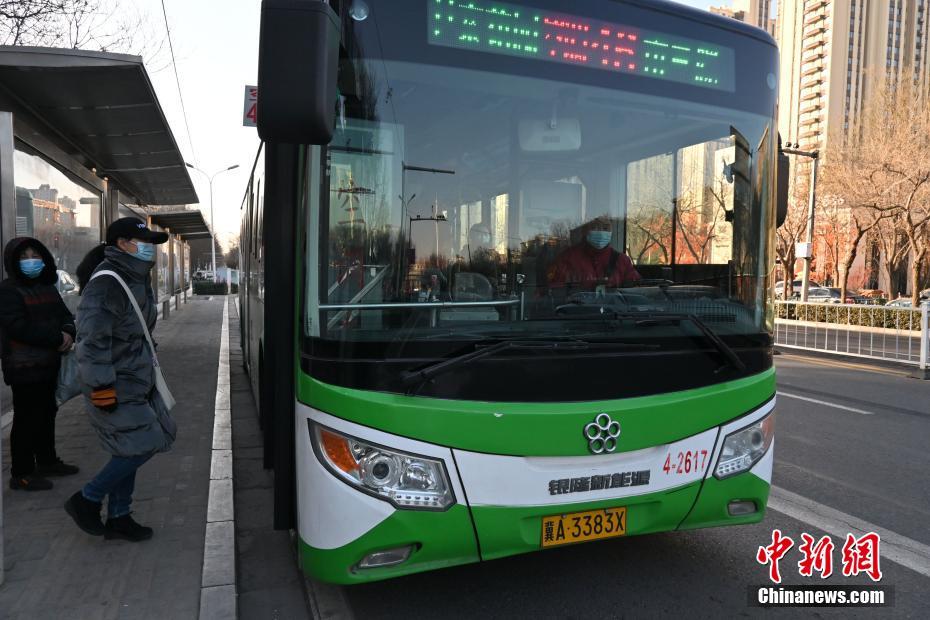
column 298, row 61
column 781, row 188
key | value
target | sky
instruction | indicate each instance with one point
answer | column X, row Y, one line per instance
column 216, row 53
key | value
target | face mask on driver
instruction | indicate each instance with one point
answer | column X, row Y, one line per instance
column 599, row 239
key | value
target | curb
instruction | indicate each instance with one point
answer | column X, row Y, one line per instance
column 218, row 579
column 326, row 602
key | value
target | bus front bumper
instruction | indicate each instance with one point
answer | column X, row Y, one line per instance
column 502, row 502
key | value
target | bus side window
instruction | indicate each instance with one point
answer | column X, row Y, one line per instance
column 261, row 221
column 254, row 221
column 248, row 221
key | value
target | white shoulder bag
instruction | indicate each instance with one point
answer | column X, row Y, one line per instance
column 160, row 385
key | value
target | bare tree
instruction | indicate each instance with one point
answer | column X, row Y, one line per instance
column 231, row 254
column 892, row 248
column 650, row 234
column 34, row 22
column 876, row 183
column 99, row 25
column 790, row 233
column 896, row 138
column 651, row 188
column 699, row 218
column 849, row 199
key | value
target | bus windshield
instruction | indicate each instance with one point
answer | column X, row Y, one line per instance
column 462, row 202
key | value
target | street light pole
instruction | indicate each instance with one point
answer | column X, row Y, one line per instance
column 212, row 229
column 812, row 199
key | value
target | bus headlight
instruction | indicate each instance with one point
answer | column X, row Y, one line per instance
column 743, row 449
column 406, row 480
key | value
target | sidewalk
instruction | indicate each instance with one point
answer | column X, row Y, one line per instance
column 53, row 570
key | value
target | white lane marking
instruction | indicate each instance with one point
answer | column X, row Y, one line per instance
column 826, row 403
column 218, row 576
column 894, row 547
column 6, row 419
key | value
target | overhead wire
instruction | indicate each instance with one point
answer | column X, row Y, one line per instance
column 177, row 81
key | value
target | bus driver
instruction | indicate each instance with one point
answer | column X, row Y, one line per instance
column 592, row 264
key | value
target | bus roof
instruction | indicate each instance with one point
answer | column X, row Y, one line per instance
column 706, row 17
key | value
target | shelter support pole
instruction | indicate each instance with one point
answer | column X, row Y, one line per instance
column 7, row 231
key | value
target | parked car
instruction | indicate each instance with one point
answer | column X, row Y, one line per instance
column 831, row 295
column 795, row 288
column 905, row 302
column 874, row 296
column 821, row 295
column 203, row 274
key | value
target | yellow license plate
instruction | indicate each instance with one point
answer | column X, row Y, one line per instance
column 583, row 526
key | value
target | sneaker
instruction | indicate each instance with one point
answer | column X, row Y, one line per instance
column 126, row 528
column 86, row 514
column 57, row 468
column 30, row 483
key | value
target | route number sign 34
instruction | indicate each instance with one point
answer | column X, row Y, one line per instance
column 250, row 107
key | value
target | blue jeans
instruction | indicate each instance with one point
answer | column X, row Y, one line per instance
column 118, row 480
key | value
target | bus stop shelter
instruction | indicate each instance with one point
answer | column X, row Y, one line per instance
column 84, row 141
column 183, row 226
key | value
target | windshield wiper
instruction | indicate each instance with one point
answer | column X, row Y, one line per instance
column 650, row 319
column 481, row 350
column 413, row 377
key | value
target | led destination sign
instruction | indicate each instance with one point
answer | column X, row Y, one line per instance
column 525, row 32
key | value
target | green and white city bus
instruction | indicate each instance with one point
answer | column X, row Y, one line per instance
column 507, row 275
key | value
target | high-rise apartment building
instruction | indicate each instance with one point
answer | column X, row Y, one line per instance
column 836, row 53
column 753, row 12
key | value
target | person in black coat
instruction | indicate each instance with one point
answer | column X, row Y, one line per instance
column 36, row 328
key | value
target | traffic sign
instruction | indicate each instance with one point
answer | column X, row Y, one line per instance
column 250, row 107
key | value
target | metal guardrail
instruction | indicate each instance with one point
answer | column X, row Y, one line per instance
column 875, row 332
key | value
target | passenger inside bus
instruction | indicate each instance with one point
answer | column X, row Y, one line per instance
column 592, row 264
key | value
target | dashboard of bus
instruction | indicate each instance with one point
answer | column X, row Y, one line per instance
column 486, row 223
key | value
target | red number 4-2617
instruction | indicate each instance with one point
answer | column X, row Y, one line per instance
column 687, row 461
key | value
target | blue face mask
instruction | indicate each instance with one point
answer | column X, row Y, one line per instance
column 31, row 267
column 599, row 239
column 144, row 251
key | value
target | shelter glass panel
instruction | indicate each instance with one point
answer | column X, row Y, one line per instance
column 161, row 269
column 55, row 209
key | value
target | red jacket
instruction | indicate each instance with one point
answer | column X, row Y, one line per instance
column 585, row 267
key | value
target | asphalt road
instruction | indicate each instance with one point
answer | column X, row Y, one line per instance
column 864, row 454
